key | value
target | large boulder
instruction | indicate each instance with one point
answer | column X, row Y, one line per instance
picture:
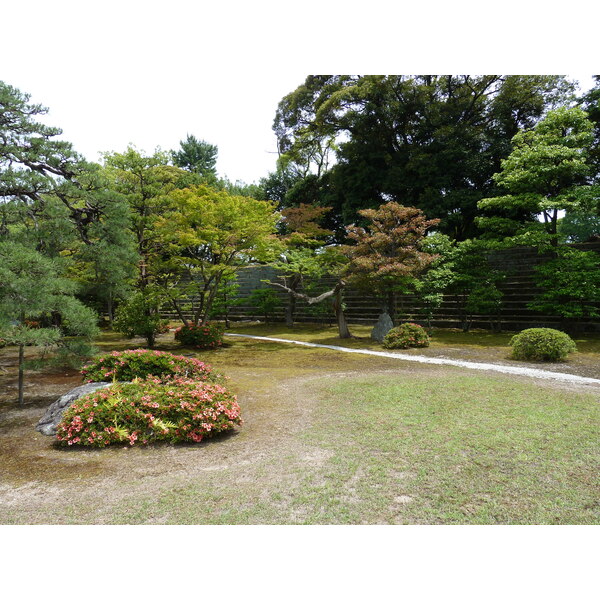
column 383, row 325
column 48, row 424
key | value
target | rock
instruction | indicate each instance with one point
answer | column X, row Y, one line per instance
column 48, row 424
column 383, row 325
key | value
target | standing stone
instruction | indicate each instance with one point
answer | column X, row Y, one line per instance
column 383, row 325
column 48, row 424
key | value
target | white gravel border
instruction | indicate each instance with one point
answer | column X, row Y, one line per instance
column 527, row 371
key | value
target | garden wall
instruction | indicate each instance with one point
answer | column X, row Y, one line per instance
column 518, row 289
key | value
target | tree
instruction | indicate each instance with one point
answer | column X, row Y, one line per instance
column 577, row 226
column 33, row 292
column 546, row 172
column 197, row 156
column 474, row 281
column 208, row 234
column 55, row 202
column 387, row 256
column 432, row 142
column 431, row 287
column 303, row 257
column 35, row 167
column 570, row 285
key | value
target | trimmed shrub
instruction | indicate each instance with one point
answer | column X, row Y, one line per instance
column 203, row 337
column 542, row 343
column 407, row 335
column 153, row 410
column 129, row 364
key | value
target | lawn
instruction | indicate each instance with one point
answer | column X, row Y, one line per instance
column 328, row 438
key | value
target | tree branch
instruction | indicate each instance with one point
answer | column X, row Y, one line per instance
column 309, row 299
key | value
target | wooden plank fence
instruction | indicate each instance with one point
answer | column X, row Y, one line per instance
column 518, row 289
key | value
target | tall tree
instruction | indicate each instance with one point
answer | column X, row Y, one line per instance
column 386, row 257
column 303, row 258
column 33, row 291
column 197, row 156
column 208, row 234
column 546, row 172
column 432, row 142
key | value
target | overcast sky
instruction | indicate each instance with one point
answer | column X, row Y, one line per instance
column 148, row 73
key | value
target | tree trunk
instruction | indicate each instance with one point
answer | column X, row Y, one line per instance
column 290, row 309
column 21, row 372
column 338, row 307
column 109, row 309
column 150, row 340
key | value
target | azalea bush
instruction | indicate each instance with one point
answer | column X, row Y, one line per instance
column 407, row 335
column 542, row 343
column 131, row 364
column 152, row 410
column 203, row 337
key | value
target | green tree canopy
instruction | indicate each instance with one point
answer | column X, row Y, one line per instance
column 546, row 172
column 432, row 142
column 207, row 235
column 33, row 292
column 197, row 156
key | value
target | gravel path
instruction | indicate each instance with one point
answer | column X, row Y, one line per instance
column 480, row 366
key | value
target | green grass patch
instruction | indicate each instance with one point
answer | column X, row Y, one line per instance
column 465, row 449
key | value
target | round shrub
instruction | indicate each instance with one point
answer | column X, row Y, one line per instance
column 541, row 343
column 407, row 335
column 204, row 337
column 153, row 410
column 129, row 364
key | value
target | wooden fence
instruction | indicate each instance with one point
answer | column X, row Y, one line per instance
column 518, row 288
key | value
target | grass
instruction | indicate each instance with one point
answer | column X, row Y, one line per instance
column 330, row 438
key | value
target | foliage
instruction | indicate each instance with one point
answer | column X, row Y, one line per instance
column 132, row 364
column 386, row 257
column 197, row 156
column 139, row 316
column 407, row 335
column 570, row 285
column 541, row 343
column 204, row 337
column 474, row 281
column 208, row 235
column 147, row 411
column 432, row 142
column 431, row 286
column 578, row 226
column 303, row 259
column 143, row 182
column 547, row 171
column 225, row 298
column 265, row 301
column 37, row 303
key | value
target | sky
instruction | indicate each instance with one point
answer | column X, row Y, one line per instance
column 149, row 73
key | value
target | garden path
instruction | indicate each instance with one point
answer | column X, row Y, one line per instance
column 481, row 366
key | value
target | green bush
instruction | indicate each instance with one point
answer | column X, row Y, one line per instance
column 153, row 410
column 129, row 364
column 139, row 315
column 542, row 343
column 203, row 337
column 407, row 335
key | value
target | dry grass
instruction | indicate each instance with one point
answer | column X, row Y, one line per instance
column 328, row 438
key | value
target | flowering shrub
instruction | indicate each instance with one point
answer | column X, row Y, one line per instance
column 407, row 335
column 152, row 410
column 204, row 337
column 542, row 343
column 129, row 364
